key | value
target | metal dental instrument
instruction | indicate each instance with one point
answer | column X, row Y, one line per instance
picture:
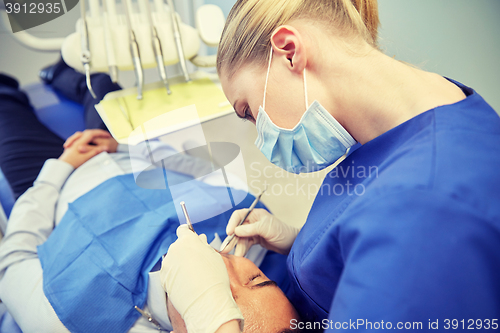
column 157, row 48
column 188, row 220
column 85, row 58
column 134, row 50
column 230, row 238
column 148, row 317
column 110, row 51
column 178, row 40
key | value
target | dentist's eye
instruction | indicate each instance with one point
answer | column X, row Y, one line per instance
column 248, row 114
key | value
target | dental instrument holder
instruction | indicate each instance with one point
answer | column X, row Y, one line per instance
column 134, row 50
column 85, row 55
column 94, row 36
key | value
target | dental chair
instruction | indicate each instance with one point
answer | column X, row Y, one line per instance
column 63, row 117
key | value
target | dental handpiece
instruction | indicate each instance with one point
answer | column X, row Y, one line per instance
column 136, row 58
column 110, row 52
column 159, row 59
column 85, row 56
column 178, row 40
column 134, row 50
column 156, row 43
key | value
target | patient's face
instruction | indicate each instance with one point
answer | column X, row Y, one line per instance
column 263, row 304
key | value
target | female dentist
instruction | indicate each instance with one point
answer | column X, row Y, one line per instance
column 415, row 243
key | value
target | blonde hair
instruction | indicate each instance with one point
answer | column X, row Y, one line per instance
column 247, row 35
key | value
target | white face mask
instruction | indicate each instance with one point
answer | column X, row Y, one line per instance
column 316, row 142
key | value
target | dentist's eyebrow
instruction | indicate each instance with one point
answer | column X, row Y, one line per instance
column 269, row 283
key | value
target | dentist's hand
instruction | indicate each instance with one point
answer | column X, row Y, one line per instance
column 197, row 283
column 261, row 228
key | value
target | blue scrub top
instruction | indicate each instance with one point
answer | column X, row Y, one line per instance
column 407, row 229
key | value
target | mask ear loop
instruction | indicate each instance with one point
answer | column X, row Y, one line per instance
column 267, row 78
column 305, row 89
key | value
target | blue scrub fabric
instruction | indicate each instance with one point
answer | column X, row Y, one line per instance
column 96, row 261
column 407, row 228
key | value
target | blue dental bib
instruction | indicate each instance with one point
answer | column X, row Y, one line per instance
column 96, row 262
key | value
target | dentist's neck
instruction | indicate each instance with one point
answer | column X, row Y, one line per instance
column 370, row 93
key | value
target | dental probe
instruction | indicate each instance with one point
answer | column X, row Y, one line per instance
column 178, row 40
column 188, row 220
column 84, row 39
column 230, row 238
column 157, row 47
column 134, row 50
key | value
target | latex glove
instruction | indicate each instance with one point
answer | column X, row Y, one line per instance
column 262, row 228
column 197, row 283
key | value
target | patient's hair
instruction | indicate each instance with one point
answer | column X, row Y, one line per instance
column 247, row 35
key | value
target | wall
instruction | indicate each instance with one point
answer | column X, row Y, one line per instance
column 455, row 38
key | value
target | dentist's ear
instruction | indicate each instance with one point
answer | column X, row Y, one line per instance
column 288, row 46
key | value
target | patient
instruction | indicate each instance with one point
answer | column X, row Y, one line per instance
column 84, row 188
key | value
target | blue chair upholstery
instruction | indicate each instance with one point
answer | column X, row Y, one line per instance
column 7, row 322
column 61, row 115
column 6, row 195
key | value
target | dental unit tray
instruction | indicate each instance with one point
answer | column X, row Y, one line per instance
column 123, row 113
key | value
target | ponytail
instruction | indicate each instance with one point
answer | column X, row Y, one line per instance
column 368, row 10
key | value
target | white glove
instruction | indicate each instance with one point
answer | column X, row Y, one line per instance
column 262, row 228
column 197, row 283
